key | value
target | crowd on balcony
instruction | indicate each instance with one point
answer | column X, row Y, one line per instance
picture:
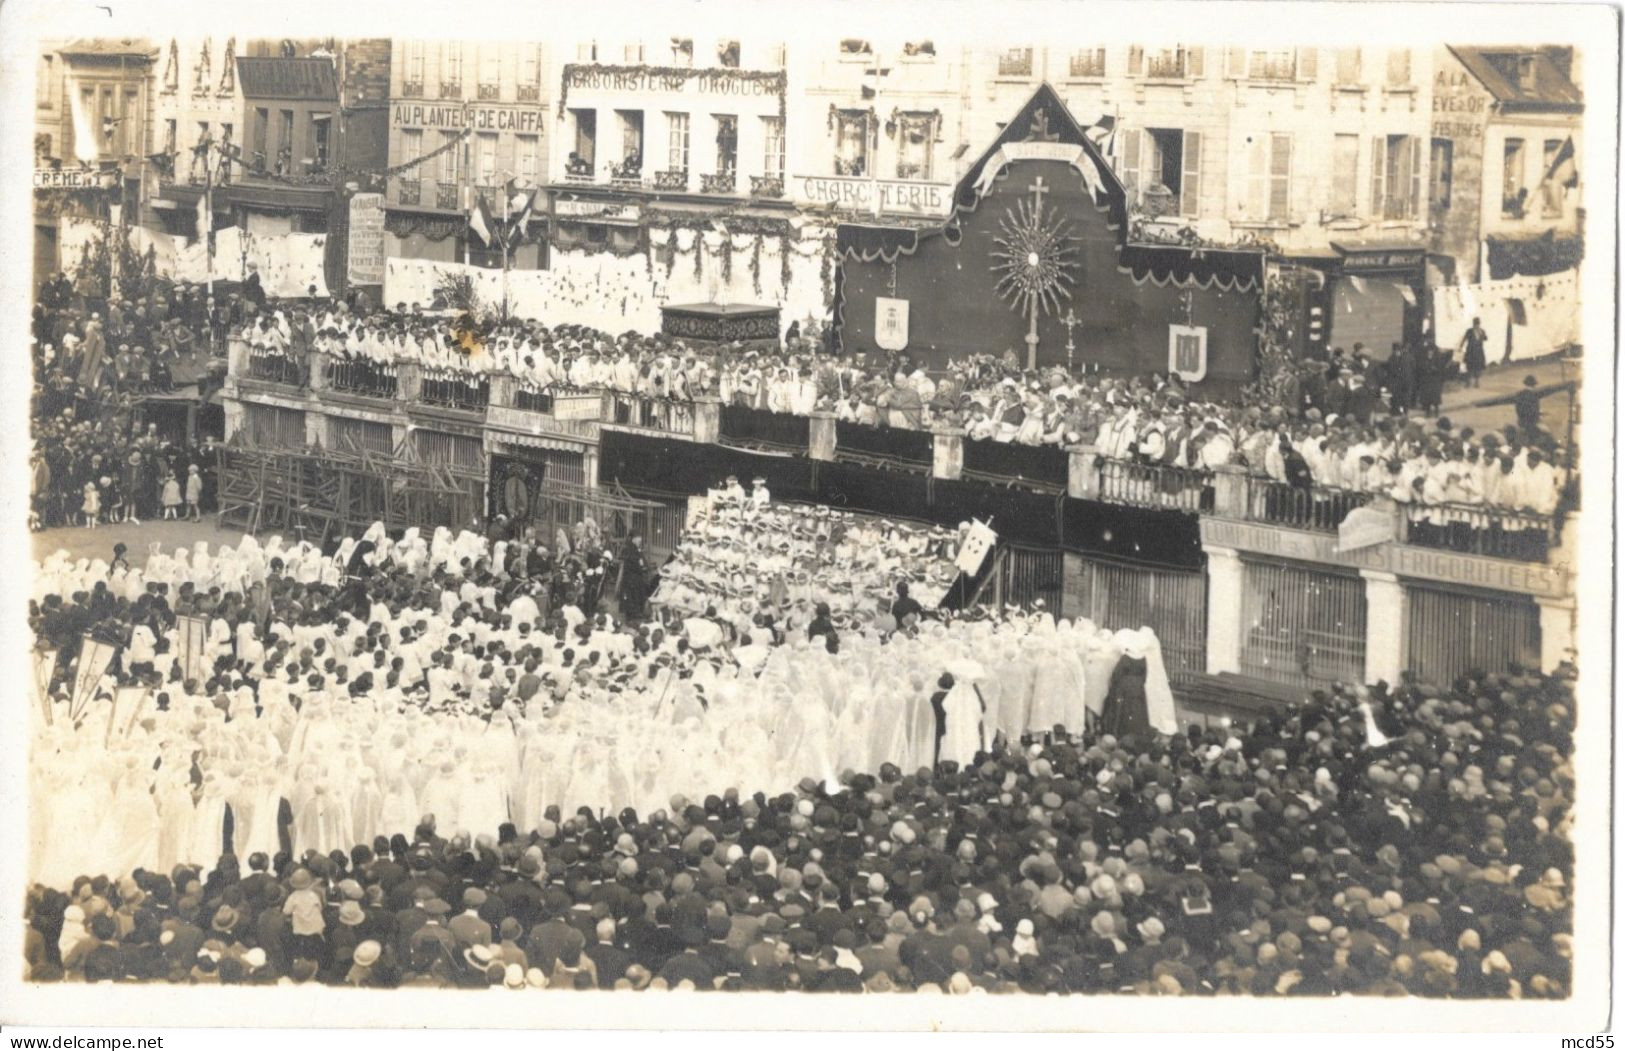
column 1334, row 431
column 1391, row 840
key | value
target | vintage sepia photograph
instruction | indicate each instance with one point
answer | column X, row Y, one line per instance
column 1034, row 503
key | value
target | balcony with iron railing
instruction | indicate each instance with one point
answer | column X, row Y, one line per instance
column 528, row 92
column 449, row 389
column 362, row 376
column 1275, row 67
column 1017, row 63
column 1087, row 64
column 1166, row 67
column 770, row 186
column 1315, row 508
column 1477, row 529
column 409, row 192
column 670, row 180
column 270, row 366
column 412, row 89
column 488, row 92
column 718, row 182
column 1154, row 485
column 451, row 89
column 445, row 195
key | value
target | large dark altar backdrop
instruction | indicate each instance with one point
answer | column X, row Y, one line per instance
column 1125, row 298
column 680, row 468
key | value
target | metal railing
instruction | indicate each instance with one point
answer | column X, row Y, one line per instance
column 1479, row 530
column 488, row 92
column 1090, row 62
column 1313, row 508
column 455, row 390
column 657, row 414
column 718, row 182
column 1155, row 485
column 1165, row 67
column 362, row 376
column 445, row 195
column 671, row 180
column 411, row 191
column 528, row 92
column 533, row 399
column 767, row 186
column 1017, row 62
column 270, row 366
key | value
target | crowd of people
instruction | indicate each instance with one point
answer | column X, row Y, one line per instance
column 387, row 776
column 1353, row 424
column 95, row 357
column 803, row 561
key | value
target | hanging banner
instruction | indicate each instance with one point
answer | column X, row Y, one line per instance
column 891, row 323
column 44, row 672
column 192, row 634
column 94, row 659
column 978, row 542
column 366, row 244
column 1067, row 153
column 1365, row 527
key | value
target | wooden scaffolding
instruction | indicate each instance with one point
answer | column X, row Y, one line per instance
column 319, row 494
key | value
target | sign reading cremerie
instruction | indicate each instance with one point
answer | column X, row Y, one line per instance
column 526, row 120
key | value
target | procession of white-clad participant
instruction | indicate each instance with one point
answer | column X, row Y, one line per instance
column 330, row 698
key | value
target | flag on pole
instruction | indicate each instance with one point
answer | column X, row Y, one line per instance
column 85, row 149
column 522, row 205
column 1563, row 171
column 479, row 222
column 978, row 542
column 44, row 672
column 193, row 636
column 94, row 658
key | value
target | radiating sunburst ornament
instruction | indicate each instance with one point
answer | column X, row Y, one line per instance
column 1036, row 254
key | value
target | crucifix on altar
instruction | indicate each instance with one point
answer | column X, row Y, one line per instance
column 1035, row 258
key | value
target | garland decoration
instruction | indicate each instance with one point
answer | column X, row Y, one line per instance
column 756, row 265
column 784, row 262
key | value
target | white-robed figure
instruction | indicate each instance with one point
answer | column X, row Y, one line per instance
column 958, row 708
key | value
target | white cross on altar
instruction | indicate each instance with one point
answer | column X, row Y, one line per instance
column 1038, row 190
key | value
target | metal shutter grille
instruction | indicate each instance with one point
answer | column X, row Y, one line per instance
column 1300, row 626
column 1452, row 632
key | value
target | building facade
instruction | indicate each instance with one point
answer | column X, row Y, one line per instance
column 1506, row 151
column 92, row 134
column 466, row 120
column 881, row 126
column 1319, row 154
